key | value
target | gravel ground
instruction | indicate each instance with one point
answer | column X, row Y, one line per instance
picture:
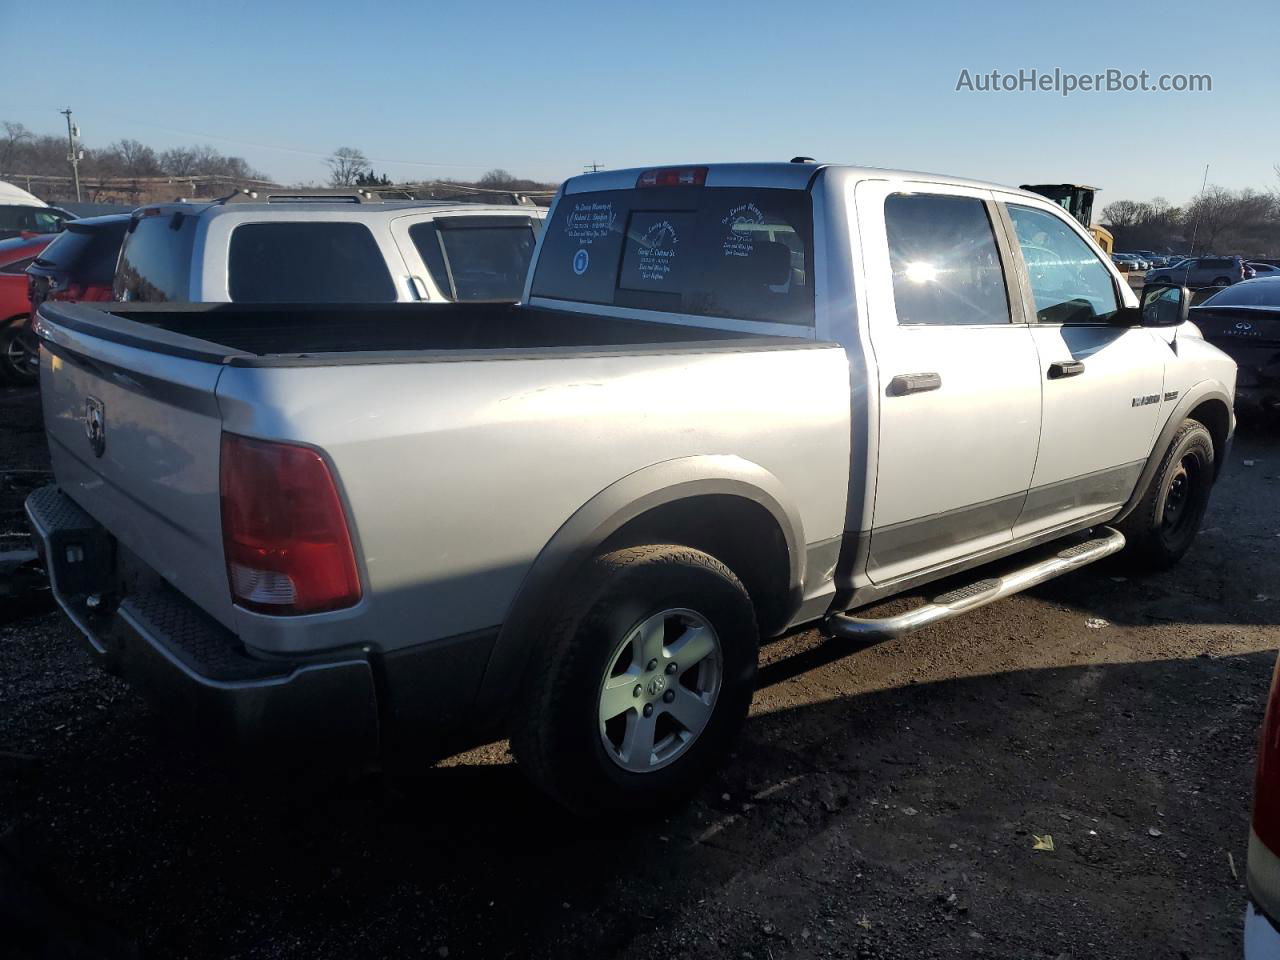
column 884, row 803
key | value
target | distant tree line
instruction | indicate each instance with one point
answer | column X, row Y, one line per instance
column 25, row 152
column 349, row 167
column 1245, row 222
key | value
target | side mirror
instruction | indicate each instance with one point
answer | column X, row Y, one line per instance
column 1164, row 306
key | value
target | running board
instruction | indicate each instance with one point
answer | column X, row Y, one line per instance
column 974, row 595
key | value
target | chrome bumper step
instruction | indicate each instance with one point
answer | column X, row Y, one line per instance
column 977, row 594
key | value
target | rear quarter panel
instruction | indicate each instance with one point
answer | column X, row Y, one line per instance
column 456, row 474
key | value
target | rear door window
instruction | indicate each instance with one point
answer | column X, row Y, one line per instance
column 155, row 264
column 739, row 252
column 945, row 262
column 477, row 258
column 307, row 262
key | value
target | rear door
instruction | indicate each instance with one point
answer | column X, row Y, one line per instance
column 959, row 378
column 1103, row 384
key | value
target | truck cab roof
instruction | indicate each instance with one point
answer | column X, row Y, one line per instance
column 794, row 176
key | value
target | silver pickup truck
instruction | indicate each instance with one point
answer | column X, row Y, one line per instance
column 735, row 399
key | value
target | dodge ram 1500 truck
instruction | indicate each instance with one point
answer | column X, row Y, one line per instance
column 734, row 399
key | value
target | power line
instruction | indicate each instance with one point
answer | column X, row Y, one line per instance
column 592, row 167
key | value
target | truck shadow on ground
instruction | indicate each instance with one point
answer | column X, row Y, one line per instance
column 875, row 803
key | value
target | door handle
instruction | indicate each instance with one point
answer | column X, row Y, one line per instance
column 1065, row 368
column 905, row 383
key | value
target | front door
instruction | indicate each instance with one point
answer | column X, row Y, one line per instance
column 959, row 378
column 1103, row 384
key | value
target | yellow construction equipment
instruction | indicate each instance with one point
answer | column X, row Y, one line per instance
column 1077, row 200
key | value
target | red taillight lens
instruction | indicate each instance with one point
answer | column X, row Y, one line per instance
column 673, row 177
column 284, row 530
column 1266, row 788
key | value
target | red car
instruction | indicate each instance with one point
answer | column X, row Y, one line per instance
column 1261, row 936
column 78, row 265
column 16, row 254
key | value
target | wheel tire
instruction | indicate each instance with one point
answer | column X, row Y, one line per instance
column 558, row 735
column 1222, row 282
column 15, row 365
column 1167, row 518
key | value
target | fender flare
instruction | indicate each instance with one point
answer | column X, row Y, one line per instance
column 581, row 536
column 1191, row 398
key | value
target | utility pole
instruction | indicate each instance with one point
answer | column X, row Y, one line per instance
column 74, row 153
column 592, row 167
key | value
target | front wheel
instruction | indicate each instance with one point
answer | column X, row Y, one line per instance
column 641, row 682
column 1165, row 522
column 18, row 363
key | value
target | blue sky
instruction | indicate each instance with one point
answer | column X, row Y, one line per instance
column 542, row 89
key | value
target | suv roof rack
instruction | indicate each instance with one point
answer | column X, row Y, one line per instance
column 286, row 195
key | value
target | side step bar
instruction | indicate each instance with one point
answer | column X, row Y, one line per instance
column 974, row 595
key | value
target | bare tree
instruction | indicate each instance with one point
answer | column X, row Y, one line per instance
column 135, row 159
column 15, row 135
column 179, row 162
column 346, row 166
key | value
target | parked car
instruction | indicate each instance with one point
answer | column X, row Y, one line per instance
column 77, row 264
column 1154, row 259
column 24, row 214
column 16, row 254
column 307, row 248
column 1131, row 261
column 1261, row 269
column 1202, row 272
column 1244, row 322
column 733, row 400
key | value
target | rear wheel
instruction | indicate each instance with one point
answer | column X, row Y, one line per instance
column 18, row 363
column 641, row 683
column 1222, row 282
column 1165, row 522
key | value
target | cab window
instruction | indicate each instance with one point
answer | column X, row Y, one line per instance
column 1068, row 281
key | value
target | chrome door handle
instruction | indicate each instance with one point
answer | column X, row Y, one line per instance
column 1065, row 368
column 905, row 383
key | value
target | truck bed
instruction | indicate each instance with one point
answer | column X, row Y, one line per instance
column 285, row 334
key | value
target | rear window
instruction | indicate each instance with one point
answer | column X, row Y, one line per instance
column 155, row 264
column 307, row 262
column 1262, row 294
column 477, row 258
column 737, row 252
column 87, row 255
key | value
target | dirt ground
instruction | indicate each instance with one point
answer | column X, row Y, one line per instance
column 884, row 803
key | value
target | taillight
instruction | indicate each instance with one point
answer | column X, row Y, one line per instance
column 673, row 177
column 1266, row 788
column 283, row 529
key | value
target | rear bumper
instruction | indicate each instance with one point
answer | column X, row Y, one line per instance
column 193, row 669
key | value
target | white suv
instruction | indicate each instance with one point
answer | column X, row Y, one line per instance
column 326, row 248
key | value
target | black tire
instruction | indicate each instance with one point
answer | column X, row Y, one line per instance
column 557, row 734
column 16, row 366
column 1222, row 281
column 1165, row 522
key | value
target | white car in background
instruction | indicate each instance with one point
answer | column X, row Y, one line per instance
column 25, row 213
column 309, row 247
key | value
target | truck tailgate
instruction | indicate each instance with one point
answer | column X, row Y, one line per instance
column 134, row 438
